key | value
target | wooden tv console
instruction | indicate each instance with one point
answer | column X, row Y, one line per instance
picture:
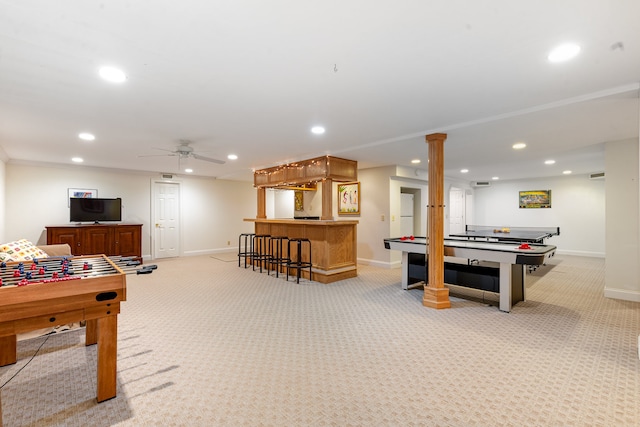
column 90, row 239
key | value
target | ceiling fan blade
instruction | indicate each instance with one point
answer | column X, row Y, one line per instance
column 207, row 159
column 163, row 149
column 158, row 155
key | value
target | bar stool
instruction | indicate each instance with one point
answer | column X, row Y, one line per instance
column 276, row 249
column 261, row 251
column 245, row 247
column 298, row 263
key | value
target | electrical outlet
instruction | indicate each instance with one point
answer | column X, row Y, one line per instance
column 228, row 242
column 381, row 217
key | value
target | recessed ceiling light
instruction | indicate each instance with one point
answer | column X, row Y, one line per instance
column 188, row 170
column 112, row 74
column 86, row 136
column 495, row 178
column 566, row 172
column 318, row 130
column 464, row 170
column 77, row 160
column 519, row 145
column 415, row 161
column 232, row 157
column 564, row 52
column 549, row 162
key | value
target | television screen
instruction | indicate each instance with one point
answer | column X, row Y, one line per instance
column 95, row 209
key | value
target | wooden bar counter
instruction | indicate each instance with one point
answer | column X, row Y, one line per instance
column 333, row 244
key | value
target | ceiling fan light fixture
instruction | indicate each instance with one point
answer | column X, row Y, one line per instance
column 318, row 130
column 232, row 157
column 86, row 136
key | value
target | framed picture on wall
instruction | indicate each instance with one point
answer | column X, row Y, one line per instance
column 349, row 198
column 298, row 197
column 536, row 199
column 81, row 193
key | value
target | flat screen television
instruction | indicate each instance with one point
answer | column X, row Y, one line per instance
column 94, row 209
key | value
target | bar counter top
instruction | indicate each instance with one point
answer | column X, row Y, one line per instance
column 302, row 221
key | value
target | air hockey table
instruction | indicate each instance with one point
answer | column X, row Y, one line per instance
column 502, row 262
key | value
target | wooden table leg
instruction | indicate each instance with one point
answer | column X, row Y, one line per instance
column 8, row 350
column 91, row 332
column 107, row 357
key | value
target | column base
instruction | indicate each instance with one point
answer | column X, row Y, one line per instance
column 436, row 297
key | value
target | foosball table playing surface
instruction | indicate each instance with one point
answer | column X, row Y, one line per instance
column 60, row 290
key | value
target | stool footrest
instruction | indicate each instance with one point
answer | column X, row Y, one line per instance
column 299, row 264
column 245, row 248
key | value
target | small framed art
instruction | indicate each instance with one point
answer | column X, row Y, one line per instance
column 536, row 199
column 349, row 198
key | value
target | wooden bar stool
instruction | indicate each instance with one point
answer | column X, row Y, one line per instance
column 245, row 247
column 278, row 258
column 261, row 251
column 299, row 264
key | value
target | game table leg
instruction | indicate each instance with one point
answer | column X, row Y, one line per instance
column 405, row 270
column 107, row 357
column 8, row 350
column 91, row 332
column 505, row 286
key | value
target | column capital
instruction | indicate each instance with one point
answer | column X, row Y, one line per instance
column 436, row 137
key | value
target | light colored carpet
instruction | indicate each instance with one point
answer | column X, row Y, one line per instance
column 226, row 256
column 205, row 343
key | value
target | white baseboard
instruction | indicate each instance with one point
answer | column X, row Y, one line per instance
column 622, row 294
column 211, row 251
column 381, row 264
column 581, row 253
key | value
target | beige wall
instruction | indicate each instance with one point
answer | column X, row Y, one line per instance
column 212, row 211
column 2, row 201
column 577, row 207
column 621, row 267
column 375, row 211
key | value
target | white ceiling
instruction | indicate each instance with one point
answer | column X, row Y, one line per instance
column 252, row 77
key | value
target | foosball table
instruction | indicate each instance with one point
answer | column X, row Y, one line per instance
column 59, row 290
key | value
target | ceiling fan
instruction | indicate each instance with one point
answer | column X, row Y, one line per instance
column 184, row 150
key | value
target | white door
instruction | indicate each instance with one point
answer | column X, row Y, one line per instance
column 406, row 214
column 456, row 213
column 166, row 236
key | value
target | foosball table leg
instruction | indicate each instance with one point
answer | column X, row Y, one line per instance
column 91, row 332
column 8, row 350
column 107, row 357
